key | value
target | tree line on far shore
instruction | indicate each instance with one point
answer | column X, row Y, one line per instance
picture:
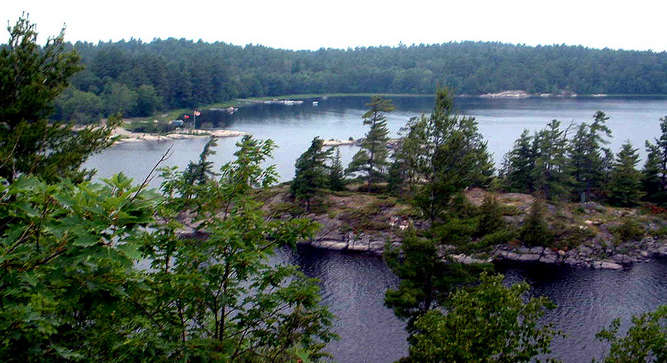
column 138, row 78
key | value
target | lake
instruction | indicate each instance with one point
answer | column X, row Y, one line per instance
column 501, row 121
column 353, row 285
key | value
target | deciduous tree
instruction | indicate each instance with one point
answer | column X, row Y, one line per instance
column 487, row 323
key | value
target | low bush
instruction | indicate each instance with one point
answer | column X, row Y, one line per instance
column 456, row 231
column 629, row 230
column 535, row 231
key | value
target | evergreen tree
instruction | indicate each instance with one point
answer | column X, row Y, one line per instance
column 449, row 155
column 427, row 278
column 31, row 78
column 311, row 172
column 651, row 176
column 490, row 216
column 336, row 173
column 654, row 174
column 550, row 174
column 624, row 188
column 519, row 164
column 587, row 157
column 199, row 173
column 535, row 231
column 372, row 157
column 405, row 168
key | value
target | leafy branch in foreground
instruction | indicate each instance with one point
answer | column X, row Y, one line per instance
column 219, row 297
column 645, row 341
column 487, row 323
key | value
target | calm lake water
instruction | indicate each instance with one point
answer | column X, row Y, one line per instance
column 353, row 284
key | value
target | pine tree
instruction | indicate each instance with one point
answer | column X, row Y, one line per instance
column 490, row 216
column 447, row 154
column 535, row 231
column 654, row 174
column 651, row 181
column 519, row 164
column 336, row 172
column 550, row 174
column 200, row 172
column 624, row 188
column 311, row 172
column 587, row 157
column 372, row 157
column 31, row 78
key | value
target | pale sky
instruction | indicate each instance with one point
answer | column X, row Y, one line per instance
column 637, row 24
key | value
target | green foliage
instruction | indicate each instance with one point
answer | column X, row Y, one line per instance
column 70, row 288
column 31, row 78
column 629, row 230
column 441, row 155
column 534, row 231
column 654, row 174
column 201, row 172
column 148, row 101
column 587, row 157
column 311, row 172
column 67, row 254
column 645, row 341
column 151, row 127
column 427, row 279
column 624, row 187
column 336, row 173
column 488, row 323
column 550, row 175
column 518, row 165
column 490, row 216
column 219, row 298
column 185, row 73
column 496, row 238
column 371, row 159
column 79, row 107
column 455, row 231
column 569, row 237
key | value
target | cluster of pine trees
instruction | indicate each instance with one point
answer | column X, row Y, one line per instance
column 575, row 163
column 137, row 78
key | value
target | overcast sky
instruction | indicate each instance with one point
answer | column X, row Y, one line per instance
column 636, row 24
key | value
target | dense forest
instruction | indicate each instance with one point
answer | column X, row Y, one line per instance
column 138, row 78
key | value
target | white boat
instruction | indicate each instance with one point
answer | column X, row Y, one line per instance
column 315, row 103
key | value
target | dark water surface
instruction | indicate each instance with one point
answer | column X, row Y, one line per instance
column 353, row 285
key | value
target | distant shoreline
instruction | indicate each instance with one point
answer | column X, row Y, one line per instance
column 506, row 94
column 242, row 102
column 129, row 136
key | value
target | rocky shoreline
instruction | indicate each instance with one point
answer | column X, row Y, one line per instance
column 648, row 250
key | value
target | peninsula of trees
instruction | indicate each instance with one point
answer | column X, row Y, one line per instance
column 138, row 78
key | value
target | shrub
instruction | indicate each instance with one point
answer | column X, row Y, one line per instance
column 629, row 230
column 490, row 216
column 572, row 236
column 535, row 231
column 493, row 239
column 456, row 231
